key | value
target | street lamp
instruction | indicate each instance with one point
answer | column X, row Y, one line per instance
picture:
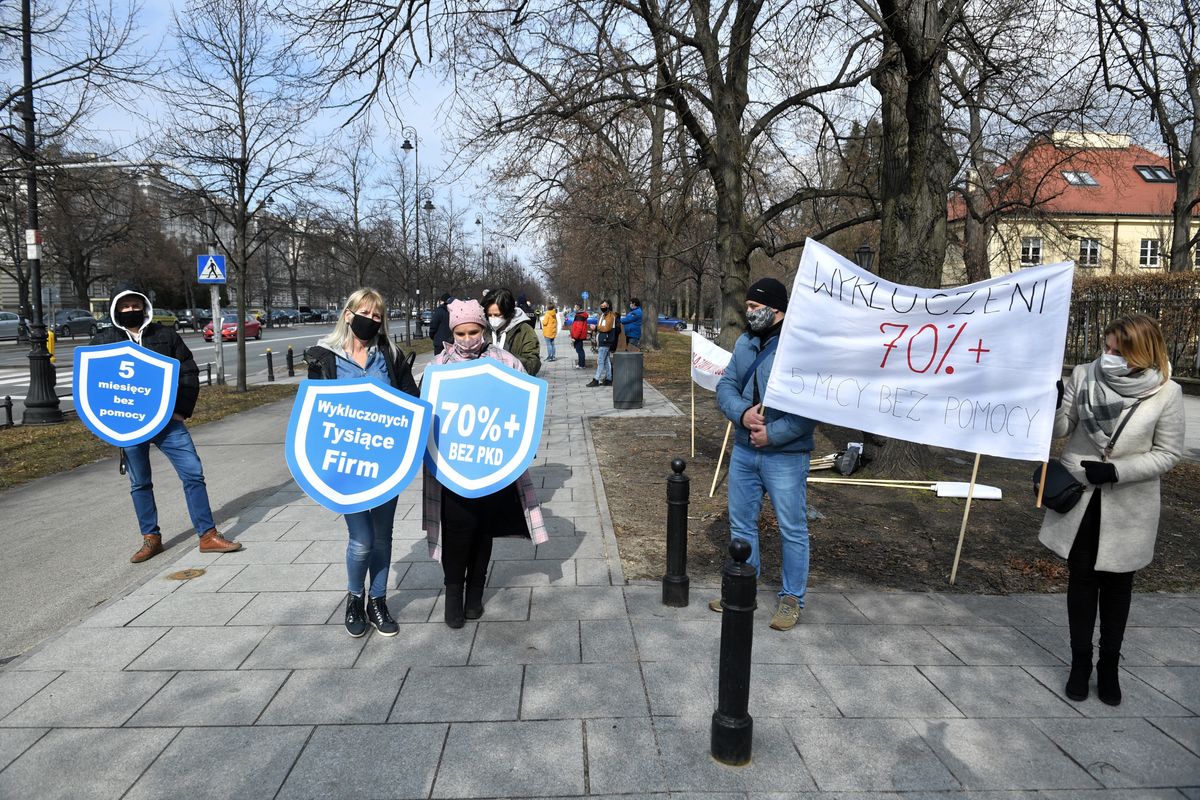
column 863, row 256
column 482, row 257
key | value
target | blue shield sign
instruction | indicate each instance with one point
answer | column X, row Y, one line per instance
column 354, row 444
column 488, row 424
column 125, row 393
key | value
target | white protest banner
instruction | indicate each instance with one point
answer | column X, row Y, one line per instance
column 971, row 368
column 708, row 362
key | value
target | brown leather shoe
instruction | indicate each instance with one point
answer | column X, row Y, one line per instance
column 214, row 542
column 151, row 546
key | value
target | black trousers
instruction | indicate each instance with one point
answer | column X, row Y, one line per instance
column 1090, row 590
column 467, row 527
column 579, row 352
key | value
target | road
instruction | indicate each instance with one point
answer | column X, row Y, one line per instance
column 14, row 362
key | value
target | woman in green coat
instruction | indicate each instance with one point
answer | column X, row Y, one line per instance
column 512, row 329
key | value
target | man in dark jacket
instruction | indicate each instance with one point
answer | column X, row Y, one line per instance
column 132, row 316
column 439, row 324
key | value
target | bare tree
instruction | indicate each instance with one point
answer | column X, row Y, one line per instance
column 240, row 118
column 1149, row 53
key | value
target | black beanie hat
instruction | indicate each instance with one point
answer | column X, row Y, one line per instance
column 769, row 292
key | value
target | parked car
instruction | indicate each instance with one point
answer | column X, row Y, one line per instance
column 229, row 329
column 309, row 314
column 11, row 325
column 674, row 323
column 285, row 316
column 426, row 316
column 192, row 319
column 258, row 313
column 73, row 322
column 105, row 321
column 328, row 315
column 165, row 318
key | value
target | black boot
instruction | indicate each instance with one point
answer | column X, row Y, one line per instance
column 454, row 605
column 356, row 619
column 474, row 603
column 1108, row 686
column 1081, row 673
column 377, row 613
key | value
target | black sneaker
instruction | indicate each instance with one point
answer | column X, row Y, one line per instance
column 356, row 620
column 606, row 383
column 377, row 613
column 591, row 383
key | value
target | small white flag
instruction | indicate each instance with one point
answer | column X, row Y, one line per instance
column 708, row 362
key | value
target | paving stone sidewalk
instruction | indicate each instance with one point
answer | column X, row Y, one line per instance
column 242, row 683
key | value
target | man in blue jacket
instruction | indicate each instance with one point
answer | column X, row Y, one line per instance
column 770, row 452
column 632, row 323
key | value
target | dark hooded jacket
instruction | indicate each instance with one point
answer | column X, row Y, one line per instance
column 322, row 365
column 162, row 340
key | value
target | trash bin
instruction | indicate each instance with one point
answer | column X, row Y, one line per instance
column 627, row 380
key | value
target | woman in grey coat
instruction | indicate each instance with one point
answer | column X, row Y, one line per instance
column 1110, row 532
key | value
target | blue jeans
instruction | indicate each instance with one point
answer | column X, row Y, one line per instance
column 604, row 364
column 549, row 346
column 785, row 478
column 370, row 548
column 176, row 444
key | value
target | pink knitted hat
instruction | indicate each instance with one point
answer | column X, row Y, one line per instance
column 464, row 311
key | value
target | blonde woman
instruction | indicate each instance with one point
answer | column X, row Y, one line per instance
column 359, row 347
column 1110, row 533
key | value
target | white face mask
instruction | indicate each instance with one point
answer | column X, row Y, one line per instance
column 496, row 323
column 1114, row 365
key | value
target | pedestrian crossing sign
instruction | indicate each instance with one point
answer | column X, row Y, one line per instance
column 210, row 269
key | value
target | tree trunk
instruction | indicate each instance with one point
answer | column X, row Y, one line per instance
column 1187, row 186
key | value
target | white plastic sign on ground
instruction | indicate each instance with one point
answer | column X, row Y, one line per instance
column 125, row 393
column 353, row 444
column 971, row 368
column 488, row 424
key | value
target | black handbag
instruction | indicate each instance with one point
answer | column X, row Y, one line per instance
column 1062, row 491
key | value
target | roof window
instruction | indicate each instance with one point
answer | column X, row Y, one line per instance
column 1153, row 174
column 1080, row 179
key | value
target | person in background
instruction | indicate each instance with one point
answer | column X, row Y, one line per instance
column 531, row 315
column 359, row 347
column 632, row 323
column 579, row 335
column 770, row 453
column 1110, row 532
column 132, row 315
column 505, row 320
column 550, row 330
column 607, row 332
column 459, row 530
column 439, row 324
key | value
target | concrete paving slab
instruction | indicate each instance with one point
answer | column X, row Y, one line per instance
column 892, row 644
column 583, row 691
column 533, row 642
column 644, row 601
column 334, row 697
column 1156, row 611
column 1124, row 753
column 343, row 763
column 17, row 687
column 512, row 759
column 577, row 603
column 846, row 755
column 1173, row 647
column 663, row 640
column 245, row 530
column 103, row 764
column 684, row 745
column 428, row 644
column 997, row 692
column 195, row 608
column 274, row 578
column 514, row 549
column 531, row 573
column 325, row 551
column 1185, row 730
column 215, row 576
column 992, row 646
column 499, row 605
column 607, row 640
column 681, row 688
column 196, row 764
column 1181, row 684
column 1056, row 641
column 993, row 610
column 803, row 644
column 304, row 647
column 423, row 575
column 1138, row 698
column 910, row 609
column 118, row 613
column 200, row 648
column 561, row 548
column 87, row 700
column 592, row 572
column 1050, row 607
column 788, row 691
column 263, row 553
column 91, row 649
column 459, row 694
column 289, row 608
column 15, row 741
column 218, row 697
column 620, row 757
column 883, row 691
column 996, row 754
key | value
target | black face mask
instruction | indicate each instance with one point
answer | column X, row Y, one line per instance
column 603, row 309
column 364, row 328
column 131, row 319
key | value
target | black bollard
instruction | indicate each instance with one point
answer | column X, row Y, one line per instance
column 8, row 407
column 732, row 726
column 291, row 362
column 270, row 365
column 675, row 582
column 208, row 367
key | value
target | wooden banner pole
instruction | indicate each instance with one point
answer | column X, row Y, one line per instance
column 962, row 531
column 1042, row 483
column 720, row 459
